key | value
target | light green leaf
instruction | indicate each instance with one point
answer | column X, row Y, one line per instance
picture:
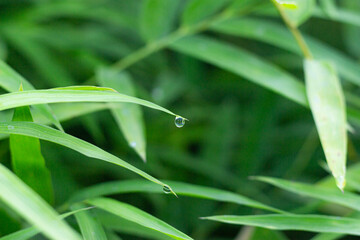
column 327, row 105
column 184, row 189
column 157, row 18
column 11, row 81
column 198, row 10
column 85, row 88
column 138, row 216
column 17, row 99
column 81, row 146
column 332, row 195
column 243, row 63
column 128, row 116
column 311, row 223
column 29, row 205
column 297, row 11
column 27, row 160
column 30, row 232
column 89, row 225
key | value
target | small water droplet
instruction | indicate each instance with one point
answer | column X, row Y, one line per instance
column 10, row 127
column 179, row 121
column 166, row 189
column 133, row 144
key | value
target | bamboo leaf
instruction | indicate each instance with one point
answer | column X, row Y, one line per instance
column 157, row 18
column 10, row 81
column 128, row 116
column 138, row 216
column 89, row 225
column 180, row 188
column 327, row 105
column 332, row 195
column 311, row 223
column 297, row 11
column 29, row 205
column 27, row 160
column 61, row 138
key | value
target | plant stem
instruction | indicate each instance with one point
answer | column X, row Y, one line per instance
column 294, row 30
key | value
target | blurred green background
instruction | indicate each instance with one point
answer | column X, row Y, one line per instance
column 236, row 129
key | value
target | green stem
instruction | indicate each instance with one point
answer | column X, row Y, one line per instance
column 294, row 30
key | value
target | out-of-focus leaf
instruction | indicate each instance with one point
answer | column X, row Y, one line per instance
column 27, row 160
column 157, row 18
column 279, row 36
column 311, row 223
column 327, row 105
column 89, row 225
column 329, row 7
column 11, row 81
column 297, row 11
column 243, row 63
column 30, row 232
column 185, row 189
column 128, row 116
column 197, row 10
column 138, row 216
column 61, row 138
column 29, row 205
column 332, row 195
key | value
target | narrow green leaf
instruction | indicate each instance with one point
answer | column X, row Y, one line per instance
column 89, row 225
column 297, row 11
column 311, row 223
column 243, row 63
column 198, row 10
column 17, row 99
column 128, row 116
column 184, row 189
column 332, row 195
column 138, row 216
column 30, row 232
column 157, row 18
column 10, row 81
column 327, row 105
column 85, row 88
column 29, row 205
column 27, row 160
column 61, row 138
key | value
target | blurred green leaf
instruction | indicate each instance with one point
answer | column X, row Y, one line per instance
column 138, row 216
column 27, row 160
column 157, row 18
column 311, row 223
column 128, row 116
column 297, row 11
column 29, row 205
column 327, row 105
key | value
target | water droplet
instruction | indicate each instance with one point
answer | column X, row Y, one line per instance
column 166, row 189
column 133, row 144
column 10, row 127
column 179, row 121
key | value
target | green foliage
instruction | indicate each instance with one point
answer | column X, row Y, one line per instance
column 230, row 66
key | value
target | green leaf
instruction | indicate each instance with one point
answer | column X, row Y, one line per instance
column 279, row 36
column 61, row 138
column 27, row 160
column 332, row 195
column 327, row 105
column 297, row 11
column 29, row 205
column 128, row 116
column 243, row 63
column 198, row 10
column 184, row 189
column 89, row 225
column 30, row 232
column 311, row 223
column 17, row 99
column 138, row 216
column 10, row 81
column 157, row 18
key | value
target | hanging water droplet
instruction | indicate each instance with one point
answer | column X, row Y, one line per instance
column 10, row 127
column 166, row 189
column 179, row 121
